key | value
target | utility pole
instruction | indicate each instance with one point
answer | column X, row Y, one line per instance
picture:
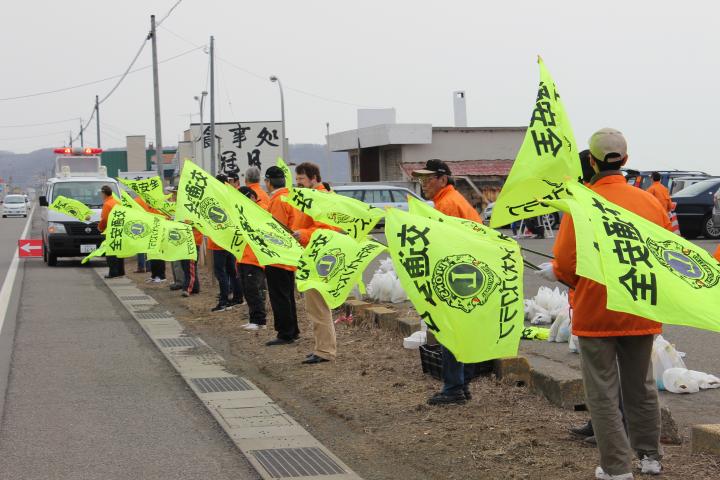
column 97, row 120
column 212, row 105
column 82, row 142
column 327, row 140
column 71, row 139
column 156, row 92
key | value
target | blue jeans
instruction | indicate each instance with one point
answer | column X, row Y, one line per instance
column 456, row 375
column 141, row 261
column 226, row 272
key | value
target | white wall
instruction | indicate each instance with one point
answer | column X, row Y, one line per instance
column 457, row 145
column 136, row 153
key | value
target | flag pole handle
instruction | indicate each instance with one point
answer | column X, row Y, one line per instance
column 541, row 254
column 537, row 269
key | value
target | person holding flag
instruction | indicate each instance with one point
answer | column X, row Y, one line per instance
column 116, row 266
column 281, row 278
column 438, row 186
column 307, row 175
column 191, row 282
column 252, row 275
column 615, row 347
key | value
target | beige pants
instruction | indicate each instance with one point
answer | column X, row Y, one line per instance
column 608, row 365
column 323, row 326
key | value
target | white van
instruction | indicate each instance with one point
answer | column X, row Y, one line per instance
column 64, row 236
column 14, row 205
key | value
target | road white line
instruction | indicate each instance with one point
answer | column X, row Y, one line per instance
column 10, row 275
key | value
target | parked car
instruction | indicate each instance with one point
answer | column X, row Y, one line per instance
column 695, row 209
column 553, row 218
column 14, row 205
column 679, row 183
column 716, row 207
column 643, row 178
column 380, row 196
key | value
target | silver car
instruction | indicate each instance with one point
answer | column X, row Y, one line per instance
column 380, row 196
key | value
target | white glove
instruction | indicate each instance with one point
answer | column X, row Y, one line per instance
column 546, row 272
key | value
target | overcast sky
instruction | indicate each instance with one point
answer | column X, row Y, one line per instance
column 648, row 68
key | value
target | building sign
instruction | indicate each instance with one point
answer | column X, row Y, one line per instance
column 239, row 145
column 138, row 175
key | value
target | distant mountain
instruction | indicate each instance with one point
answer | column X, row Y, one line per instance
column 336, row 169
column 23, row 168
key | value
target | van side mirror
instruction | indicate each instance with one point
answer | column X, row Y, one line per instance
column 43, row 201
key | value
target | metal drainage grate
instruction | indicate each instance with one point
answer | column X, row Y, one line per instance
column 297, row 462
column 151, row 315
column 221, row 384
column 135, row 298
column 178, row 342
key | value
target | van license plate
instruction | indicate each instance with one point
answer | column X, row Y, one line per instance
column 87, row 248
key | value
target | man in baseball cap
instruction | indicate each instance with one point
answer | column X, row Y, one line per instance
column 608, row 145
column 433, row 167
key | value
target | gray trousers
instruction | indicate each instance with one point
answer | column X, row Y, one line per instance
column 611, row 364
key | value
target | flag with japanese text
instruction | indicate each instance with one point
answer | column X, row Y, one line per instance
column 548, row 157
column 648, row 271
column 203, row 200
column 467, row 288
column 270, row 241
column 72, row 208
column 354, row 217
column 333, row 264
column 286, row 170
column 128, row 202
column 177, row 243
column 151, row 190
column 130, row 232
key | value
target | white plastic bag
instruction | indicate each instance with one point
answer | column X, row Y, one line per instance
column 679, row 380
column 664, row 356
column 385, row 285
column 415, row 340
column 705, row 380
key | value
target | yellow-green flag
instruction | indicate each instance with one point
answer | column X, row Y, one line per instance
column 548, row 156
column 286, row 170
column 269, row 240
column 333, row 263
column 467, row 289
column 151, row 190
column 648, row 271
column 130, row 232
column 72, row 208
column 128, row 202
column 203, row 200
column 178, row 243
column 418, row 207
column 354, row 217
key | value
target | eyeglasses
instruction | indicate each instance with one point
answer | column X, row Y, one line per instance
column 427, row 178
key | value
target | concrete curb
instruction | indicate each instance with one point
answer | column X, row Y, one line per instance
column 273, row 442
column 706, row 439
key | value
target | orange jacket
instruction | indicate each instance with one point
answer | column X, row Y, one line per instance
column 659, row 191
column 591, row 318
column 283, row 213
column 108, row 205
column 305, row 225
column 248, row 256
column 450, row 202
column 263, row 198
column 197, row 236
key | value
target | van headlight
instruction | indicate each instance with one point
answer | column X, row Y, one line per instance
column 54, row 227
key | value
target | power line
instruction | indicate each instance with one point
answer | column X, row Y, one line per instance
column 94, row 82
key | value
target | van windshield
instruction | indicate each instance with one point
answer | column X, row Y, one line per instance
column 85, row 192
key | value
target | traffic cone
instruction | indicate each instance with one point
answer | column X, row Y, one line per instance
column 674, row 222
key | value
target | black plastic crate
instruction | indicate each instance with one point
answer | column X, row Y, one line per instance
column 431, row 361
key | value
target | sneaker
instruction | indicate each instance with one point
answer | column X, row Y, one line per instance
column 220, row 307
column 650, row 466
column 601, row 475
column 158, row 280
column 234, row 302
column 468, row 395
column 185, row 293
column 176, row 286
column 447, row 399
column 149, row 280
column 254, row 326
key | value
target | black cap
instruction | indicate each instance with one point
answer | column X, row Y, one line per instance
column 433, row 167
column 233, row 176
column 274, row 172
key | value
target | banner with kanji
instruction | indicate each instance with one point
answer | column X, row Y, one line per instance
column 286, row 171
column 354, row 217
column 177, row 243
column 202, row 200
column 547, row 158
column 465, row 286
column 333, row 264
column 270, row 241
column 648, row 271
column 130, row 232
column 72, row 208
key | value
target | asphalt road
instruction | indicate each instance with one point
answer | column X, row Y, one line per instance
column 89, row 396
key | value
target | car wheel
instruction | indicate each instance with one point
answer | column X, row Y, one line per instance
column 710, row 230
column 51, row 259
